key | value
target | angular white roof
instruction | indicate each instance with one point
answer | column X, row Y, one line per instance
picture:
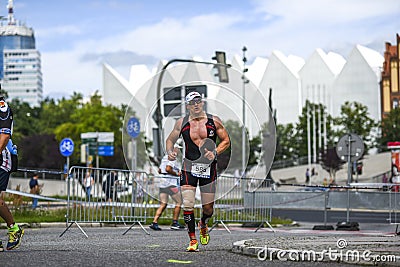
column 373, row 58
column 257, row 69
column 139, row 74
column 281, row 73
column 293, row 63
column 334, row 61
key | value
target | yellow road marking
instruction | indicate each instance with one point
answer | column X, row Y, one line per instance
column 178, row 261
column 153, row 246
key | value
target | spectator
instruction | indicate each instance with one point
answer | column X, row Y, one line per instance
column 307, row 176
column 88, row 182
column 313, row 172
column 169, row 188
column 35, row 189
column 109, row 185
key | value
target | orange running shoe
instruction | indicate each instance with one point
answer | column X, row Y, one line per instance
column 193, row 246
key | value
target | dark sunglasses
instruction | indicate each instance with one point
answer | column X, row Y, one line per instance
column 194, row 101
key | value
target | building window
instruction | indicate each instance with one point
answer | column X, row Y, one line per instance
column 395, row 103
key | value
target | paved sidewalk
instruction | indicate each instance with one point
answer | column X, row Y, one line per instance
column 368, row 247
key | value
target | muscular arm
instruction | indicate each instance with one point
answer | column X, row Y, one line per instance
column 222, row 134
column 171, row 139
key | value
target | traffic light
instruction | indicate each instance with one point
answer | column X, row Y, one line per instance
column 222, row 67
column 173, row 98
column 172, row 93
column 172, row 101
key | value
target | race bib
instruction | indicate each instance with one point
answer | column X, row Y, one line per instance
column 201, row 170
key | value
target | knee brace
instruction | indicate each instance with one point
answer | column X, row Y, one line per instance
column 188, row 197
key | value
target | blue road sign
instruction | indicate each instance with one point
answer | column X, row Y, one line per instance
column 105, row 150
column 66, row 147
column 133, row 127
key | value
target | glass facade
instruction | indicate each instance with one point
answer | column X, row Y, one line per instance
column 20, row 64
column 14, row 42
column 22, row 75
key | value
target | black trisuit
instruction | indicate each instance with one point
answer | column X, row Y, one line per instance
column 196, row 168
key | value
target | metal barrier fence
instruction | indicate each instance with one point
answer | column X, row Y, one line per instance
column 134, row 198
column 394, row 207
column 116, row 196
column 365, row 196
column 153, row 191
column 232, row 206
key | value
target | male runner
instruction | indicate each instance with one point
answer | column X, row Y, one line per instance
column 199, row 131
column 15, row 233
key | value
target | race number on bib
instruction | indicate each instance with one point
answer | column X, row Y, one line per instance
column 201, row 170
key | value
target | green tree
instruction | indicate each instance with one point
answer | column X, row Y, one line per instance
column 54, row 113
column 40, row 151
column 312, row 113
column 26, row 120
column 285, row 145
column 354, row 118
column 255, row 151
column 234, row 130
column 34, row 130
column 331, row 162
column 95, row 117
column 390, row 129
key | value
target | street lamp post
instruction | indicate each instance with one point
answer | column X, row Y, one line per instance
column 245, row 80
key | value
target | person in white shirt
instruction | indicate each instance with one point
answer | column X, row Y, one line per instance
column 88, row 182
column 169, row 187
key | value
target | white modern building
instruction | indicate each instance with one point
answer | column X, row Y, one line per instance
column 281, row 75
column 326, row 78
column 359, row 81
column 317, row 77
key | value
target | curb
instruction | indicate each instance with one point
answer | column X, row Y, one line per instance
column 266, row 253
column 242, row 247
column 55, row 224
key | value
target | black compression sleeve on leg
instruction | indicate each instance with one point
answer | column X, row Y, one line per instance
column 188, row 216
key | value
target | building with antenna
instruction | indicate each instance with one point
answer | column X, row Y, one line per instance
column 20, row 64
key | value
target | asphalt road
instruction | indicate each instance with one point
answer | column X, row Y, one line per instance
column 107, row 245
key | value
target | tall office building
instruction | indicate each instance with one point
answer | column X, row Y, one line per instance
column 20, row 65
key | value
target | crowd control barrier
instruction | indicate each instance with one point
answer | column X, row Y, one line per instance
column 394, row 206
column 238, row 201
column 116, row 196
column 133, row 198
column 357, row 196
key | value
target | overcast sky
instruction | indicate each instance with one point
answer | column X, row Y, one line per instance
column 76, row 36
